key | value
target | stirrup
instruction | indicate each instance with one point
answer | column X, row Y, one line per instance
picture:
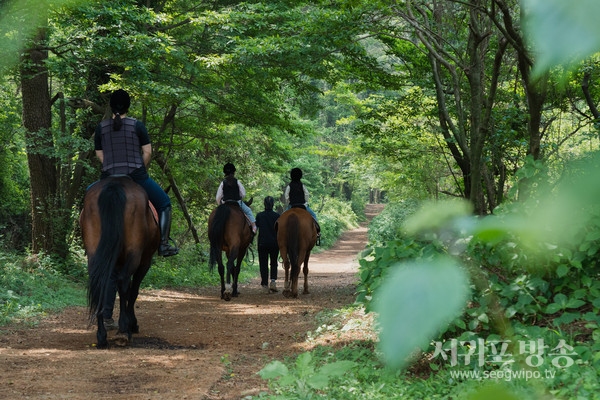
column 166, row 250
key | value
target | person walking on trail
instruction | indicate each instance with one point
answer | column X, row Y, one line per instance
column 123, row 146
column 231, row 189
column 268, row 250
column 296, row 195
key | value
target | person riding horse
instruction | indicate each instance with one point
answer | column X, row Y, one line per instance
column 123, row 147
column 296, row 195
column 230, row 232
column 231, row 189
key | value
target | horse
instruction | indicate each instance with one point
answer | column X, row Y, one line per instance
column 120, row 235
column 296, row 236
column 228, row 231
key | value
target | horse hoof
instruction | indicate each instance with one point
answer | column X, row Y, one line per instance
column 287, row 293
column 121, row 340
column 226, row 296
column 102, row 346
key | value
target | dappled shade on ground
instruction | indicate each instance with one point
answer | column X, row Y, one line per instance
column 191, row 344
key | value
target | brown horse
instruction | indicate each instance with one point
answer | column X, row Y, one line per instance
column 120, row 236
column 228, row 231
column 296, row 236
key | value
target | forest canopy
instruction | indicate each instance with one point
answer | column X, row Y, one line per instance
column 486, row 109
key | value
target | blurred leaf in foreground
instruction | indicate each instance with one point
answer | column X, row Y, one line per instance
column 417, row 301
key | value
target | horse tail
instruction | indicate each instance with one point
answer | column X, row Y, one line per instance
column 216, row 233
column 293, row 241
column 111, row 205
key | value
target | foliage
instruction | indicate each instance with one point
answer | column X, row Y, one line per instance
column 388, row 224
column 191, row 270
column 419, row 312
column 306, row 378
column 14, row 179
column 371, row 378
column 32, row 286
column 335, row 218
column 558, row 39
column 533, row 271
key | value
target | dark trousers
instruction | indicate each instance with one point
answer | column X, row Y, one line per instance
column 266, row 254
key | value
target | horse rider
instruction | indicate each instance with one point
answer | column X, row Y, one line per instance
column 231, row 189
column 123, row 146
column 296, row 195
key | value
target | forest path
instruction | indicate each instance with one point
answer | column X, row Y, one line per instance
column 192, row 345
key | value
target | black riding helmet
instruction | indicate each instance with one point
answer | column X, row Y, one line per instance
column 296, row 174
column 269, row 203
column 228, row 169
column 120, row 101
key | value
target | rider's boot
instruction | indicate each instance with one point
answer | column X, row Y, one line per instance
column 318, row 243
column 165, row 249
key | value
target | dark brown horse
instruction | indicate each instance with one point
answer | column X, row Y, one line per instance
column 120, row 236
column 296, row 236
column 228, row 231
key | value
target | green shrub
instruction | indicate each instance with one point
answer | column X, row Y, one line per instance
column 190, row 269
column 33, row 286
column 335, row 218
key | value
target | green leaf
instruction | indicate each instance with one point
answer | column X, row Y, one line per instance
column 575, row 303
column 562, row 32
column 553, row 308
column 561, row 300
column 303, row 364
column 562, row 270
column 318, row 381
column 437, row 214
column 273, row 370
column 566, row 318
column 416, row 302
column 337, row 368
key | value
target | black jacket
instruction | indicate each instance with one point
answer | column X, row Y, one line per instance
column 265, row 222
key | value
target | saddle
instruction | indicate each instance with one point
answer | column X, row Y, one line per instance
column 231, row 202
column 236, row 203
column 150, row 205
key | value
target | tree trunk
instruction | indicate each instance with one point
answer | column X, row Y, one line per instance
column 47, row 235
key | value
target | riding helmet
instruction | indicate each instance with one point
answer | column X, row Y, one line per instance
column 229, row 168
column 296, row 174
column 120, row 101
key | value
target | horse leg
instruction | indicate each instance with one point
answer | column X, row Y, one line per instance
column 286, row 267
column 102, row 342
column 101, row 332
column 225, row 295
column 123, row 335
column 295, row 273
column 134, row 291
column 305, row 271
column 231, row 287
column 236, row 274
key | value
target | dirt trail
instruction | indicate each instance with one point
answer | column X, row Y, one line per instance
column 191, row 345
